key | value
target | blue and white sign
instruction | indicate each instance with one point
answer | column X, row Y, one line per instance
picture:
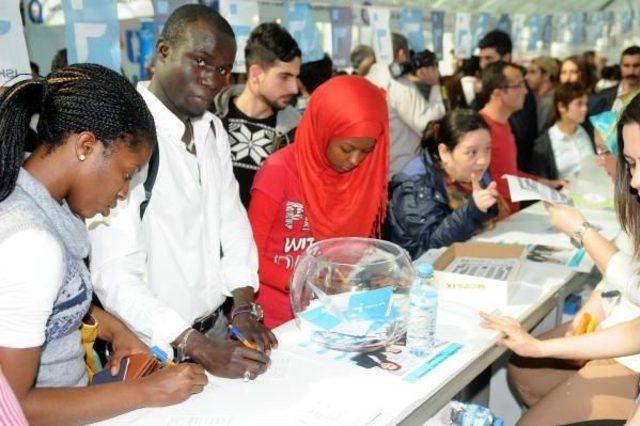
column 412, row 27
column 341, row 23
column 519, row 21
column 380, row 20
column 536, row 32
column 547, row 31
column 482, row 21
column 243, row 17
column 140, row 44
column 625, row 18
column 162, row 10
column 35, row 11
column 595, row 30
column 12, row 40
column 608, row 20
column 92, row 32
column 437, row 32
column 504, row 23
column 576, row 27
column 463, row 39
column 213, row 4
column 299, row 22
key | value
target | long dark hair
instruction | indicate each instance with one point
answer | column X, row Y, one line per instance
column 587, row 75
column 627, row 200
column 77, row 98
column 450, row 129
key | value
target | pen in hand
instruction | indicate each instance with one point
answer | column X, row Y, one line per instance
column 238, row 335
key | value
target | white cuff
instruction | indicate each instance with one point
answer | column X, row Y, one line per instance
column 168, row 327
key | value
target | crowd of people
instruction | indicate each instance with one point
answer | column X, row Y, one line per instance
column 167, row 212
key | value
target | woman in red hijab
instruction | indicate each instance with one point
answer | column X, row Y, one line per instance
column 331, row 182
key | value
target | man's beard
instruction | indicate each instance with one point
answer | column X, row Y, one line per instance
column 276, row 106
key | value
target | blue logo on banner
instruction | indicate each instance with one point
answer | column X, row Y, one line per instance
column 536, row 31
column 341, row 21
column 213, row 4
column 146, row 40
column 437, row 31
column 411, row 22
column 5, row 26
column 482, row 26
column 92, row 32
column 299, row 22
column 504, row 24
column 35, row 12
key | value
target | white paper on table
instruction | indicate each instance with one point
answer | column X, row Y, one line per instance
column 495, row 269
column 199, row 421
column 525, row 189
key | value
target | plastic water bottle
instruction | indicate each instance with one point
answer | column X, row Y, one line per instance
column 473, row 415
column 423, row 308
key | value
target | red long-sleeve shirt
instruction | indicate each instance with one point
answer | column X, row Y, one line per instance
column 281, row 232
column 504, row 157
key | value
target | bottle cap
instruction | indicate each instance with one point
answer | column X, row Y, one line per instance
column 425, row 270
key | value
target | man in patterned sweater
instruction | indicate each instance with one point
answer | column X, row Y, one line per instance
column 258, row 116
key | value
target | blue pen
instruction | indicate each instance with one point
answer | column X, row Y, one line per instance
column 241, row 338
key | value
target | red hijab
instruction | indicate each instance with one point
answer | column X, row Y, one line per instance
column 353, row 203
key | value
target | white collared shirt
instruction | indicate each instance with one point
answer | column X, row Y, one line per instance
column 569, row 150
column 162, row 273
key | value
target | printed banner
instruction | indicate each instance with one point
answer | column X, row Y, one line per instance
column 341, row 23
column 519, row 21
column 33, row 12
column 608, row 21
column 213, row 4
column 504, row 23
column 140, row 44
column 12, row 40
column 482, row 26
column 625, row 18
column 243, row 17
column 92, row 32
column 547, row 31
column 463, row 39
column 162, row 9
column 595, row 30
column 563, row 35
column 412, row 27
column 299, row 22
column 576, row 27
column 437, row 32
column 536, row 32
column 380, row 18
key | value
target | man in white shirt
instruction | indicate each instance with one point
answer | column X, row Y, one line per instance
column 167, row 270
column 409, row 112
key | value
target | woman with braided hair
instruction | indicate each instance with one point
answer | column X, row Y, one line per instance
column 95, row 133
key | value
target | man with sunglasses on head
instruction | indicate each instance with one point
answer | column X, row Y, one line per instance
column 504, row 88
column 169, row 256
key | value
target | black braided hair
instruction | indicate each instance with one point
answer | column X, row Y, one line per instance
column 77, row 98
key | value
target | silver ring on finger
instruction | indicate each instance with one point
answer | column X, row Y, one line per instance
column 247, row 376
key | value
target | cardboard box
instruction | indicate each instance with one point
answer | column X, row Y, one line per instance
column 478, row 292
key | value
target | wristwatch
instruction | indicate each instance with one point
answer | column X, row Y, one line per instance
column 578, row 235
column 252, row 309
column 182, row 346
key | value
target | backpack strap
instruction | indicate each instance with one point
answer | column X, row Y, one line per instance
column 152, row 173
